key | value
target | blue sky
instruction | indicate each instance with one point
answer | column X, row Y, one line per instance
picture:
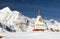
column 50, row 9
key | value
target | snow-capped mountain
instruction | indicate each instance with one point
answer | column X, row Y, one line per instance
column 52, row 24
column 14, row 21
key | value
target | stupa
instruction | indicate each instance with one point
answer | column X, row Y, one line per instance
column 39, row 24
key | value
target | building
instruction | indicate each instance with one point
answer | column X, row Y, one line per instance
column 39, row 24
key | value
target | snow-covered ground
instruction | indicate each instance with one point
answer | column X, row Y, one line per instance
column 31, row 35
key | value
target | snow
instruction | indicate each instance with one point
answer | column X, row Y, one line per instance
column 14, row 20
column 17, row 21
column 32, row 35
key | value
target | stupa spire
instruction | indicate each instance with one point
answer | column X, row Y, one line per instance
column 39, row 12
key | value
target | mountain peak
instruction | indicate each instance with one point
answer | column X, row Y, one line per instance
column 6, row 9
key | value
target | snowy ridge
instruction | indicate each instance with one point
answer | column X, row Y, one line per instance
column 16, row 22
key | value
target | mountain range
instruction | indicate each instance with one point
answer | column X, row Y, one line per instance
column 14, row 21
